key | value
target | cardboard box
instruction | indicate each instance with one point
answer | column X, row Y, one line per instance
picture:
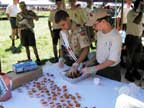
column 23, row 78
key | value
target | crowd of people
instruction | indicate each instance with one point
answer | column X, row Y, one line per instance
column 74, row 29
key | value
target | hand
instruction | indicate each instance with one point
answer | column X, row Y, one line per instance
column 89, row 70
column 61, row 63
column 74, row 67
column 73, row 70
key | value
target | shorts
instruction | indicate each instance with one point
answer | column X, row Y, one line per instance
column 28, row 38
column 56, row 36
column 13, row 22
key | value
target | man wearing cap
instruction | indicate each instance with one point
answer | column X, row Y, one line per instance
column 108, row 49
column 54, row 28
column 76, row 14
column 11, row 12
column 74, row 42
column 25, row 24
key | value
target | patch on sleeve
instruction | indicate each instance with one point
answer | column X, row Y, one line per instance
column 83, row 33
column 90, row 14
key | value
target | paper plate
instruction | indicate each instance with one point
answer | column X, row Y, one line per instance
column 73, row 80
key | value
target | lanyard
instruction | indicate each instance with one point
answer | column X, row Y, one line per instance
column 67, row 46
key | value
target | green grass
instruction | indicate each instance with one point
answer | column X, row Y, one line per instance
column 44, row 44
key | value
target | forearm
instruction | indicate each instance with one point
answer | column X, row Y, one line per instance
column 104, row 65
column 83, row 55
column 91, row 61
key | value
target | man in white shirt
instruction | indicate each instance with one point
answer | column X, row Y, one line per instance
column 108, row 49
column 133, row 41
column 11, row 12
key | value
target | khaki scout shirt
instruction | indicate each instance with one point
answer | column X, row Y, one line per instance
column 133, row 28
column 29, row 16
column 77, row 39
column 78, row 15
column 52, row 19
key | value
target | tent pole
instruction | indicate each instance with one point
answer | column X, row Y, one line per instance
column 115, row 14
column 121, row 22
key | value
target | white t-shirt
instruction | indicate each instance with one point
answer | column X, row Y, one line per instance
column 108, row 46
column 12, row 10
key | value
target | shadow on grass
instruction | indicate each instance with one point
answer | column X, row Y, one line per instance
column 14, row 50
column 52, row 60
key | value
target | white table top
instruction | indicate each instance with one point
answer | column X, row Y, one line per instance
column 99, row 96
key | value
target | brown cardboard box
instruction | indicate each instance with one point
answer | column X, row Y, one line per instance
column 23, row 78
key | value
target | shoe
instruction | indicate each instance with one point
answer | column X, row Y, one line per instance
column 38, row 62
column 129, row 77
column 14, row 49
column 56, row 59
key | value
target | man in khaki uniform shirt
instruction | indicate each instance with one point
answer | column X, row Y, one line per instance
column 76, row 38
column 76, row 14
column 133, row 41
column 54, row 28
column 25, row 22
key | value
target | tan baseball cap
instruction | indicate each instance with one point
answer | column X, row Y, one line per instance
column 94, row 16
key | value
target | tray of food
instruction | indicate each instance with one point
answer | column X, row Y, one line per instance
column 73, row 78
